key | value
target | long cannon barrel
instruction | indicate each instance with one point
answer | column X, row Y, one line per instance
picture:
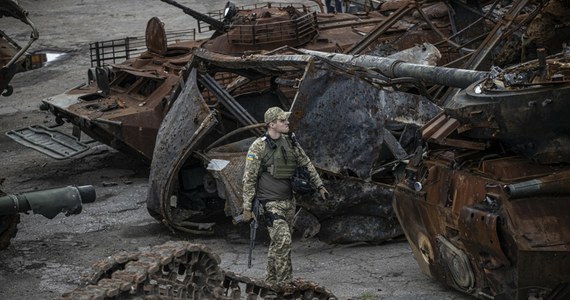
column 394, row 68
column 389, row 67
column 217, row 24
column 48, row 203
column 556, row 184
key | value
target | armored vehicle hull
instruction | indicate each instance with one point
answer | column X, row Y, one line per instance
column 486, row 208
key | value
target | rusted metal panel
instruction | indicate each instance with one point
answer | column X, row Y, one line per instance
column 542, row 225
column 514, row 168
column 155, row 37
column 180, row 133
column 230, row 180
column 480, row 235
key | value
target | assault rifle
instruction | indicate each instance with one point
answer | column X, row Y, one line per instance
column 253, row 229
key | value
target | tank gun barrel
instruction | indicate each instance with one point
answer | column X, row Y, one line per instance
column 394, row 68
column 217, row 24
column 556, row 184
column 50, row 202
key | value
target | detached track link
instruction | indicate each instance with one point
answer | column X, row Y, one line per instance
column 181, row 270
column 235, row 285
column 173, row 270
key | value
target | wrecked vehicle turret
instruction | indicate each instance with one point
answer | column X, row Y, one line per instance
column 485, row 206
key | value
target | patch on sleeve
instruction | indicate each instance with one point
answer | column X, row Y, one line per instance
column 251, row 156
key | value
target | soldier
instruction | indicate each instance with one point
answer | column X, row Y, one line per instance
column 270, row 163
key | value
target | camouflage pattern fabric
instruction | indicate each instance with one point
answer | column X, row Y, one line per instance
column 279, row 267
column 275, row 113
column 253, row 167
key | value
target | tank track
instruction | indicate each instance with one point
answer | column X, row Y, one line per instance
column 181, row 270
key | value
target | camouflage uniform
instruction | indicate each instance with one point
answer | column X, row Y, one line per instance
column 279, row 267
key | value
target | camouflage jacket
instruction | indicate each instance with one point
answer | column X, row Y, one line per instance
column 253, row 168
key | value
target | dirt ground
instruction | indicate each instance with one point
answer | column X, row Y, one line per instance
column 47, row 257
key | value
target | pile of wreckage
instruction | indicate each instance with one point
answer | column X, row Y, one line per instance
column 443, row 121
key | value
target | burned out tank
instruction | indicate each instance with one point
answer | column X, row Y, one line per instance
column 484, row 205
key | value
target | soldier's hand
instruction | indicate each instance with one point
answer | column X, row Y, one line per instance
column 247, row 215
column 323, row 193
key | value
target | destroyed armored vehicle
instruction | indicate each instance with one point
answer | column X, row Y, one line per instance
column 125, row 104
column 484, row 205
column 197, row 167
column 122, row 105
column 13, row 57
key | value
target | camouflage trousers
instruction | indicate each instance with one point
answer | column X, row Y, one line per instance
column 279, row 268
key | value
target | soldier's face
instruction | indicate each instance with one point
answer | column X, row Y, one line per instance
column 281, row 126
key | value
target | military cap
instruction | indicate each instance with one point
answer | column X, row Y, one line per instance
column 275, row 113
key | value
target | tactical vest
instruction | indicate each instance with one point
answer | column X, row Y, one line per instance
column 279, row 158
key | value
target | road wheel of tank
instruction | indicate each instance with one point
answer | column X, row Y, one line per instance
column 8, row 229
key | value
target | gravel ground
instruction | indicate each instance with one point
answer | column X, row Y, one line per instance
column 47, row 257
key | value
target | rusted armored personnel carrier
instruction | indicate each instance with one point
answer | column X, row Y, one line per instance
column 485, row 205
column 13, row 57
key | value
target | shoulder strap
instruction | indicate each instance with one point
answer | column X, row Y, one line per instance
column 270, row 147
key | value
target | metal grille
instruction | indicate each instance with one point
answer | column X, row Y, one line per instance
column 116, row 51
column 299, row 29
